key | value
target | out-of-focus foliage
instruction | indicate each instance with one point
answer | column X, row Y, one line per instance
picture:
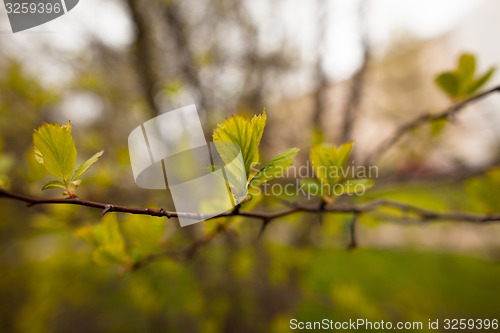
column 272, row 283
column 49, row 279
column 6, row 163
column 329, row 165
column 463, row 83
column 107, row 241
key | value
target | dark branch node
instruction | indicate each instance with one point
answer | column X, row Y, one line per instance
column 163, row 212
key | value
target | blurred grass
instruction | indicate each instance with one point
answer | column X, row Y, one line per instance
column 254, row 288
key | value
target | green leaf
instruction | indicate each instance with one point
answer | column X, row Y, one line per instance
column 275, row 167
column 328, row 164
column 87, row 234
column 75, row 183
column 107, row 240
column 246, row 134
column 145, row 235
column 234, row 168
column 476, row 85
column 110, row 254
column 55, row 184
column 437, row 126
column 55, row 149
column 87, row 164
column 356, row 186
column 449, row 83
column 466, row 67
column 462, row 83
column 312, row 186
column 109, row 231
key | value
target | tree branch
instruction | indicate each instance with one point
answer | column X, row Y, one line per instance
column 358, row 80
column 177, row 27
column 265, row 217
column 421, row 120
column 423, row 214
column 143, row 51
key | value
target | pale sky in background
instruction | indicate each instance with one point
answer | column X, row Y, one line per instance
column 471, row 25
column 421, row 18
column 292, row 19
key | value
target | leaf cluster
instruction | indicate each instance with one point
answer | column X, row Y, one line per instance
column 329, row 166
column 247, row 134
column 463, row 82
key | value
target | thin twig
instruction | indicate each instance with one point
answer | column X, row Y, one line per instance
column 265, row 222
column 265, row 217
column 421, row 120
column 424, row 214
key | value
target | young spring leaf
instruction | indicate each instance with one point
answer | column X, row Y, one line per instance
column 110, row 254
column 328, row 163
column 449, row 83
column 86, row 165
column 312, row 186
column 274, row 168
column 55, row 184
column 55, row 149
column 476, row 85
column 246, row 134
column 87, row 234
column 355, row 186
column 107, row 240
column 466, row 67
column 437, row 126
column 462, row 83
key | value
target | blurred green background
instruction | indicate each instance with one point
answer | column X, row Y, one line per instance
column 114, row 64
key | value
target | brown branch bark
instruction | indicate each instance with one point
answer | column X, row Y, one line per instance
column 355, row 95
column 178, row 29
column 266, row 217
column 422, row 213
column 143, row 49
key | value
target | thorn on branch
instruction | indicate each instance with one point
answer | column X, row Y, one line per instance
column 107, row 209
column 265, row 222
